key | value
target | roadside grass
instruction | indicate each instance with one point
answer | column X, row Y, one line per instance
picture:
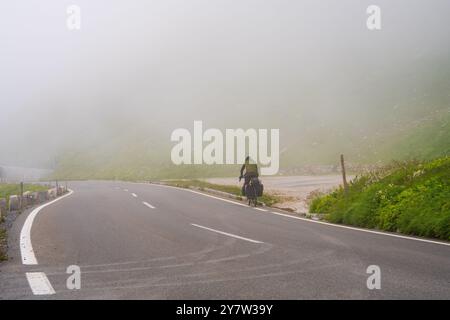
column 267, row 199
column 8, row 189
column 411, row 197
column 3, row 255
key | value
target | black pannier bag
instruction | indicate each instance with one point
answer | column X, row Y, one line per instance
column 257, row 187
column 260, row 189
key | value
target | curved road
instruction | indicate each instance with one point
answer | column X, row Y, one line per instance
column 140, row 241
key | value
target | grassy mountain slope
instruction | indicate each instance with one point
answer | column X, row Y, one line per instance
column 424, row 138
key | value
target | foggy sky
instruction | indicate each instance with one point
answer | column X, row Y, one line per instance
column 149, row 67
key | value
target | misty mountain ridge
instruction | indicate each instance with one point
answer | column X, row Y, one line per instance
column 130, row 158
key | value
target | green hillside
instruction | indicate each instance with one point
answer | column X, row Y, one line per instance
column 425, row 137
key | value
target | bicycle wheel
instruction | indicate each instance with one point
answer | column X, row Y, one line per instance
column 255, row 197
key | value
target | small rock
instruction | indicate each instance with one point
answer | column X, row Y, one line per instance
column 14, row 203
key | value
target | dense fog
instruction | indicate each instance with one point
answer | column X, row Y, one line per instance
column 137, row 70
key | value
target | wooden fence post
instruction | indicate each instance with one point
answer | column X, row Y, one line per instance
column 344, row 178
column 21, row 197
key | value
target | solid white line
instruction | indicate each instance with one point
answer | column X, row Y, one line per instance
column 148, row 205
column 26, row 249
column 39, row 283
column 201, row 193
column 218, row 198
column 315, row 221
column 359, row 229
column 225, row 233
column 134, row 195
column 260, row 209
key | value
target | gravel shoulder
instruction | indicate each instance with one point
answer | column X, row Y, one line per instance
column 295, row 190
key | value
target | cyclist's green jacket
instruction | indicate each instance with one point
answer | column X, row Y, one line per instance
column 250, row 168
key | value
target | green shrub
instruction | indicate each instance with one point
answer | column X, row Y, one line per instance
column 410, row 197
column 8, row 189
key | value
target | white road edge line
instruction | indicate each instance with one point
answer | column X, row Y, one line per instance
column 314, row 221
column 261, row 209
column 226, row 200
column 201, row 193
column 226, row 233
column 39, row 283
column 26, row 249
column 358, row 229
column 134, row 195
column 148, row 205
column 210, row 196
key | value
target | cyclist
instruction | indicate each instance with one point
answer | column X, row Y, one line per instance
column 251, row 171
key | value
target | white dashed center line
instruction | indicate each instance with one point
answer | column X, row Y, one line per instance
column 39, row 283
column 134, row 195
column 148, row 205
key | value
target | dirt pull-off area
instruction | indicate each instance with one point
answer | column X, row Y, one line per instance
column 296, row 191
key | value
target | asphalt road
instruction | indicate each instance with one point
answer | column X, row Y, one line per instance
column 140, row 241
